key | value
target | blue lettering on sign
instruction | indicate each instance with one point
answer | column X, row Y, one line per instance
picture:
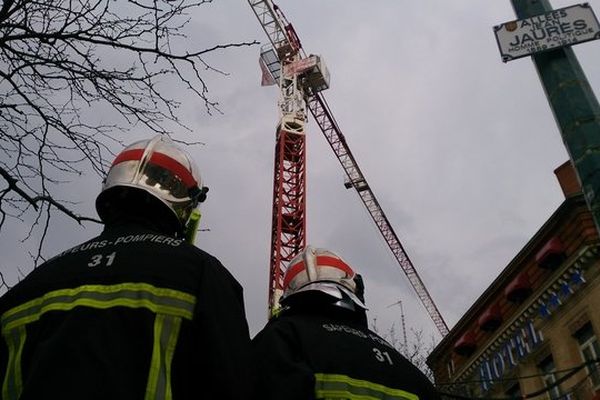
column 485, row 376
column 526, row 339
column 554, row 300
column 543, row 311
column 498, row 365
column 508, row 354
column 521, row 344
column 566, row 290
column 577, row 278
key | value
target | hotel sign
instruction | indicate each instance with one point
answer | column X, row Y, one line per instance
column 526, row 338
column 519, row 346
column 558, row 28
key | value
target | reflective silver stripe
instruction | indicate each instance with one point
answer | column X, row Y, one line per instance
column 12, row 385
column 335, row 386
column 169, row 305
column 132, row 295
column 166, row 332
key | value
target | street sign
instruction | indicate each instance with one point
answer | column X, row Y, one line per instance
column 558, row 28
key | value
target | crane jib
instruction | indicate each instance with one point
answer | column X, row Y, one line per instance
column 288, row 232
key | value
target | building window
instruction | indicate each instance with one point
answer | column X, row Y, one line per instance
column 549, row 378
column 514, row 391
column 590, row 350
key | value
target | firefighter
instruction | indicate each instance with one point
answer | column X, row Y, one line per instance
column 319, row 345
column 137, row 312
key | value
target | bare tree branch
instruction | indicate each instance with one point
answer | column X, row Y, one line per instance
column 61, row 61
column 415, row 350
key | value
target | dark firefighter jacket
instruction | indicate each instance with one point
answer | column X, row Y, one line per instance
column 303, row 357
column 131, row 314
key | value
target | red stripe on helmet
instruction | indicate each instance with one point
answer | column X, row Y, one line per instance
column 161, row 160
column 291, row 273
column 174, row 166
column 129, row 155
column 322, row 261
column 335, row 262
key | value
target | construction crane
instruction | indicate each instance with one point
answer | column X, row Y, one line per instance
column 403, row 322
column 301, row 79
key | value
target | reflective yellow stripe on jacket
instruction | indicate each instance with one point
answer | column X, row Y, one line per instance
column 169, row 305
column 334, row 386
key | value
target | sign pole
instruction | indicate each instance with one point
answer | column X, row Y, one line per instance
column 574, row 105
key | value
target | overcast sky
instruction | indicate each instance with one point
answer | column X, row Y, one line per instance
column 458, row 147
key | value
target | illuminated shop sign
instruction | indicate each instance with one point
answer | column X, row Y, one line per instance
column 526, row 339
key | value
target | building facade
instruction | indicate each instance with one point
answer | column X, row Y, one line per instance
column 534, row 331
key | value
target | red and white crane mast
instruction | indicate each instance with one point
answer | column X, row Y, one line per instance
column 301, row 77
column 297, row 76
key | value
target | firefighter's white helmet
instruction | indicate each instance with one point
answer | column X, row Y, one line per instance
column 321, row 270
column 162, row 169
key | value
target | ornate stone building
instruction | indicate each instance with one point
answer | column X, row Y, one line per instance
column 535, row 326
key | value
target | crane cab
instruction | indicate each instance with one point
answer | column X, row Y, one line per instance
column 312, row 73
